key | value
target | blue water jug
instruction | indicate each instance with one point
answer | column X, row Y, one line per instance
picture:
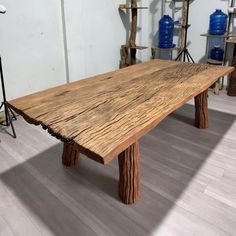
column 166, row 32
column 217, row 53
column 218, row 22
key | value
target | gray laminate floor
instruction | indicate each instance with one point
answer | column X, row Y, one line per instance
column 188, row 182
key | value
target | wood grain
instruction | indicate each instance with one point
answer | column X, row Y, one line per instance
column 201, row 110
column 70, row 155
column 129, row 169
column 106, row 114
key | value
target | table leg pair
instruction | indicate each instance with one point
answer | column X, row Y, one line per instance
column 129, row 168
column 129, row 164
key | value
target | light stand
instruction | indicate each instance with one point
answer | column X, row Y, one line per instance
column 9, row 115
column 8, row 111
column 184, row 53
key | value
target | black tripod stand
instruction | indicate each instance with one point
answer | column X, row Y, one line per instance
column 9, row 115
column 184, row 53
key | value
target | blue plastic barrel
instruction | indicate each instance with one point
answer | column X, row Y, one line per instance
column 218, row 22
column 217, row 53
column 166, row 32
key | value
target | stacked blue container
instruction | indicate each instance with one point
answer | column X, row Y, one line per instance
column 217, row 53
column 166, row 32
column 218, row 23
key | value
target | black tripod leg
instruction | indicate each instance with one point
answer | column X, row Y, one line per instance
column 10, row 122
column 1, row 105
column 191, row 58
column 187, row 57
column 179, row 56
column 11, row 111
column 185, row 54
column 7, row 117
column 6, row 107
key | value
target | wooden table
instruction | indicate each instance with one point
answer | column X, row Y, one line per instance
column 105, row 116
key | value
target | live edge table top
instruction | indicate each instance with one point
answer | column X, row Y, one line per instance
column 107, row 113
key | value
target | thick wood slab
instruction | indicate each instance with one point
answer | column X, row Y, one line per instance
column 106, row 114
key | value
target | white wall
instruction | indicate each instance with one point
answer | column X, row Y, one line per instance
column 149, row 25
column 31, row 39
column 95, row 33
column 31, row 45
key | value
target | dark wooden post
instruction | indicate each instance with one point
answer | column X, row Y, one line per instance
column 201, row 110
column 71, row 155
column 128, row 51
column 232, row 84
column 184, row 24
column 124, row 52
column 133, row 52
column 133, row 34
column 232, row 77
column 134, row 24
column 129, row 168
column 154, row 53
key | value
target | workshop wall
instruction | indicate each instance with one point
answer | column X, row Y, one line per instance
column 31, row 46
column 48, row 43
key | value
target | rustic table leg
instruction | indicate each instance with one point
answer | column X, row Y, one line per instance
column 201, row 110
column 217, row 87
column 129, row 168
column 71, row 155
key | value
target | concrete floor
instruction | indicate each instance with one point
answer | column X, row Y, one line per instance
column 188, row 182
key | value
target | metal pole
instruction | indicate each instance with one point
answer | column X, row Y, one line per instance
column 4, row 104
column 7, row 108
column 185, row 51
column 3, row 92
column 186, row 29
column 186, row 24
column 226, row 44
column 228, row 29
column 65, row 43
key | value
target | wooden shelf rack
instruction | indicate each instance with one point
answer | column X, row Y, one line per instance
column 128, row 51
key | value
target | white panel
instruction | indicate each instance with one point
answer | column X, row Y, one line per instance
column 31, row 45
column 95, row 33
